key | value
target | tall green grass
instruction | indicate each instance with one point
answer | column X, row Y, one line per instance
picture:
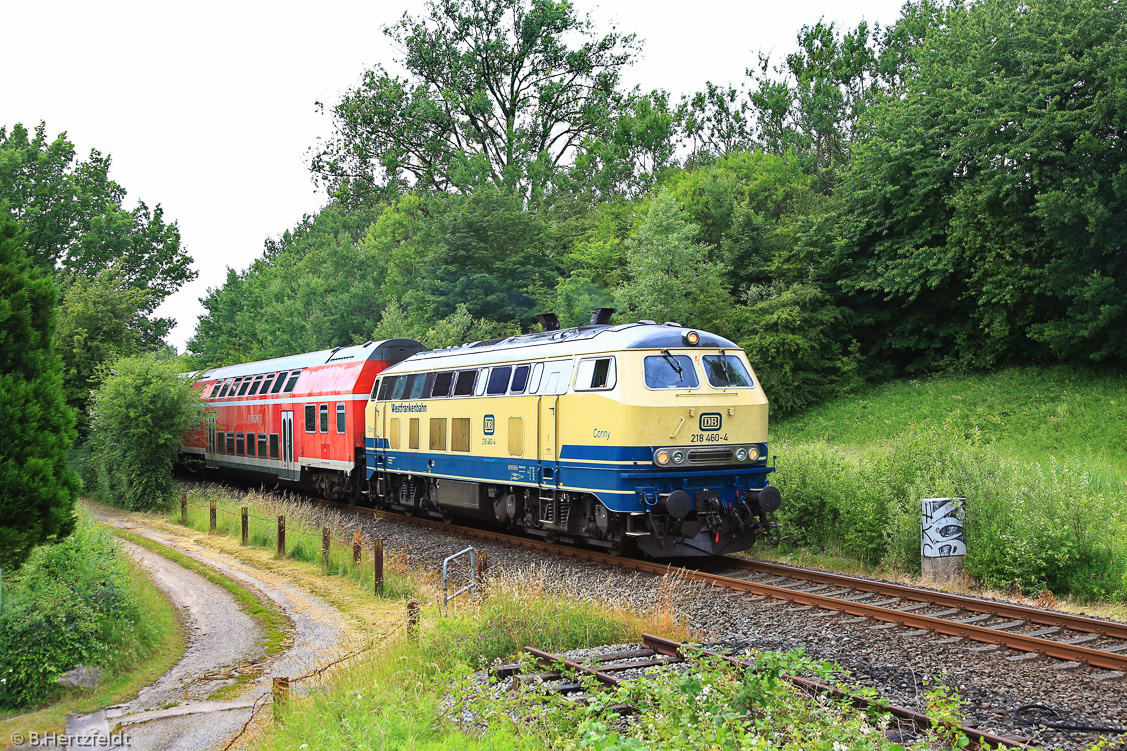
column 1036, row 453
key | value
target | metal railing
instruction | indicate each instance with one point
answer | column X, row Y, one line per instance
column 446, row 597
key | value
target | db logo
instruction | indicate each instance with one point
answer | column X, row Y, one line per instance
column 489, row 424
column 710, row 421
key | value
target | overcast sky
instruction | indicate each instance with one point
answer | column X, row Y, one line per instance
column 208, row 107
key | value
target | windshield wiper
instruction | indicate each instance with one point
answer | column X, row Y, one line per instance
column 724, row 364
column 674, row 364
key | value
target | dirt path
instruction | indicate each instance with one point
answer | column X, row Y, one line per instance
column 181, row 711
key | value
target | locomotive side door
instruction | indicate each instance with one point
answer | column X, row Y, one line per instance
column 547, row 447
column 287, row 445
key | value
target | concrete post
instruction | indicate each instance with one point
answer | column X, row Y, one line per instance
column 943, row 546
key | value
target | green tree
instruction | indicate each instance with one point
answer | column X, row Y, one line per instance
column 499, row 91
column 670, row 277
column 983, row 217
column 141, row 415
column 37, row 488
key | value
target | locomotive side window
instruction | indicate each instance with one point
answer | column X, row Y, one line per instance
column 252, row 441
column 724, row 371
column 442, row 383
column 537, row 374
column 418, row 386
column 231, row 443
column 393, row 437
column 596, row 374
column 499, row 380
column 262, row 446
column 413, row 433
column 341, row 424
column 310, row 418
column 386, row 387
column 465, row 384
column 279, row 382
column 401, row 384
column 520, row 380
column 438, row 434
column 246, row 385
column 293, row 381
column 324, row 418
column 273, row 445
column 240, row 445
column 482, row 380
column 460, row 434
column 668, row 371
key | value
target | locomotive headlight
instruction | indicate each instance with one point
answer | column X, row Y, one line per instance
column 691, row 338
column 678, row 457
column 741, row 454
column 662, row 457
column 753, row 453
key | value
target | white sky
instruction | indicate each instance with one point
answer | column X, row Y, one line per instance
column 208, row 107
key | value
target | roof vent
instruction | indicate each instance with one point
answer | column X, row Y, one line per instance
column 648, row 323
column 671, row 323
column 368, row 343
column 600, row 316
column 549, row 321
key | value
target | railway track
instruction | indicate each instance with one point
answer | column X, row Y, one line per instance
column 1074, row 640
column 658, row 653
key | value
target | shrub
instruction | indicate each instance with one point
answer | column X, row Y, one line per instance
column 141, row 414
column 72, row 602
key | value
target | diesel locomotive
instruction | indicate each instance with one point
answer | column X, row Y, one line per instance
column 639, row 436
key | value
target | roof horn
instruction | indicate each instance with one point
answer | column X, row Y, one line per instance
column 601, row 316
column 549, row 321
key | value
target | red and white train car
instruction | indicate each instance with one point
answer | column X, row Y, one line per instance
column 299, row 419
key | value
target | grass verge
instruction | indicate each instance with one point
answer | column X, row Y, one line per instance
column 165, row 645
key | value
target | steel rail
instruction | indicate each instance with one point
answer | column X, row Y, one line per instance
column 946, row 599
column 979, row 738
column 1020, row 642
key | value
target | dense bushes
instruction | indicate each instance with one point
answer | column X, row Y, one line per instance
column 141, row 415
column 72, row 602
column 1027, row 526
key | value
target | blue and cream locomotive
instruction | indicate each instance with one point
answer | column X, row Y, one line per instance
column 643, row 434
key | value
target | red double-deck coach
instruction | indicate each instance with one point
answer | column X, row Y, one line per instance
column 299, row 419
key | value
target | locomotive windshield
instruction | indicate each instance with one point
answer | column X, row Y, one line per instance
column 668, row 371
column 723, row 371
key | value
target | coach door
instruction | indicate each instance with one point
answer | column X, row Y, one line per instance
column 287, row 446
column 547, row 444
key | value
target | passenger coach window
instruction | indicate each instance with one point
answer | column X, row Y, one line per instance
column 231, row 443
column 246, row 385
column 262, row 446
column 520, row 380
column 279, row 382
column 273, row 445
column 254, row 386
column 269, row 379
column 341, row 423
column 252, row 441
column 499, row 380
column 310, row 418
column 324, row 418
column 442, row 384
column 596, row 375
column 723, row 371
column 465, row 383
column 240, row 445
column 670, row 372
column 234, row 390
column 293, row 381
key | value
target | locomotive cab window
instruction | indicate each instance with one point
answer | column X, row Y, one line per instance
column 499, row 380
column 324, row 418
column 596, row 374
column 537, row 374
column 520, row 380
column 341, row 422
column 386, row 386
column 482, row 380
column 724, row 371
column 310, row 418
column 668, row 371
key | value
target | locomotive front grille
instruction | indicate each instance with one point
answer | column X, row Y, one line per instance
column 710, row 456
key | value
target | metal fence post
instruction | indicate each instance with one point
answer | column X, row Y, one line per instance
column 246, row 526
column 281, row 536
column 211, row 525
column 377, row 565
column 325, row 541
